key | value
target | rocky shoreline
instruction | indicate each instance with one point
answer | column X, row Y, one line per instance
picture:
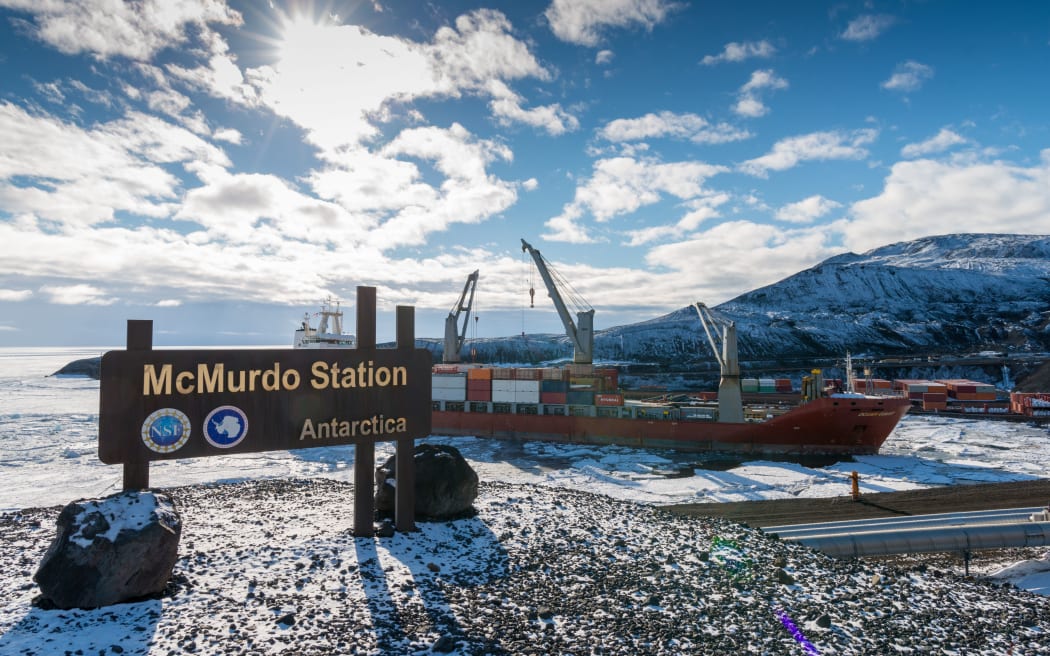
column 271, row 567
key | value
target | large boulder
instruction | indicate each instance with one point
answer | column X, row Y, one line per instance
column 446, row 484
column 110, row 550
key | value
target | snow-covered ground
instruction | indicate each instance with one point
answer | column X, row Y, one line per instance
column 48, row 457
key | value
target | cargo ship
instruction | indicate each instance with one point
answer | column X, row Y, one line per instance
column 581, row 405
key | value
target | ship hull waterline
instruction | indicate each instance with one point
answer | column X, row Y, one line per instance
column 826, row 426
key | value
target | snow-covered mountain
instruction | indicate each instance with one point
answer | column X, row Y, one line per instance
column 937, row 295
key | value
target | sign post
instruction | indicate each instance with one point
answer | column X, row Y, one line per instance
column 168, row 404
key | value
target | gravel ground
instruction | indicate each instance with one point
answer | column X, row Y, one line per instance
column 271, row 567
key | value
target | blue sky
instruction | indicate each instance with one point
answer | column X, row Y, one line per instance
column 220, row 167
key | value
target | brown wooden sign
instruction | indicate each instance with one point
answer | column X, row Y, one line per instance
column 158, row 405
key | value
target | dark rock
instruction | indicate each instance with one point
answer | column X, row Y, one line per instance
column 783, row 577
column 90, row 367
column 385, row 529
column 824, row 621
column 444, row 644
column 446, row 485
column 110, row 550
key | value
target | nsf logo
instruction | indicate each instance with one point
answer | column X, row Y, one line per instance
column 225, row 426
column 166, row 430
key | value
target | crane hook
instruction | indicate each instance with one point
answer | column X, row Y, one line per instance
column 532, row 297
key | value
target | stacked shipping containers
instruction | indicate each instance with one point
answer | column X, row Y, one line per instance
column 1030, row 404
column 968, row 390
column 479, row 384
column 933, row 395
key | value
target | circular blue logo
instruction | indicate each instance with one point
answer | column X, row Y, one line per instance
column 225, row 426
column 165, row 430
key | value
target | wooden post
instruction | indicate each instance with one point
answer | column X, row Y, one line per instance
column 855, row 487
column 365, row 450
column 136, row 465
column 405, row 469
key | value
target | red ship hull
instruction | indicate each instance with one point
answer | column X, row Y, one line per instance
column 826, row 426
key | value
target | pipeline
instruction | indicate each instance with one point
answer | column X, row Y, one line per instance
column 963, row 539
column 896, row 523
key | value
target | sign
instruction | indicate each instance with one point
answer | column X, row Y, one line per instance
column 159, row 405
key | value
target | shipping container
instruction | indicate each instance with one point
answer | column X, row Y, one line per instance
column 580, row 369
column 580, row 397
column 479, row 394
column 448, row 394
column 479, row 373
column 448, row 381
column 528, row 373
column 555, row 373
column 548, row 385
column 608, row 399
column 502, row 373
column 559, row 398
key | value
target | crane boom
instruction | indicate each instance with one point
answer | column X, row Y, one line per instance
column 721, row 335
column 454, row 336
column 580, row 332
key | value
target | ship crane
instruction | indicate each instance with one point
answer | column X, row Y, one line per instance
column 721, row 335
column 454, row 336
column 580, row 332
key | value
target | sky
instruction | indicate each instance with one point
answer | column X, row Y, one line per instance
column 221, row 167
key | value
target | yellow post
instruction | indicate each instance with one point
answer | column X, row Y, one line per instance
column 855, row 477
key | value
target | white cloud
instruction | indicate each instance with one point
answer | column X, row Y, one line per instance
column 789, row 152
column 622, row 185
column 506, row 107
column 738, row 256
column 926, row 197
column 699, row 211
column 867, row 27
column 604, row 57
column 255, row 208
column 336, row 80
column 530, row 185
column 807, row 209
column 748, row 102
column 394, row 193
column 169, row 302
column 938, row 143
column 583, row 22
column 77, row 295
column 86, row 176
column 737, row 52
column 136, row 30
column 229, row 135
column 668, row 124
column 15, row 295
column 908, row 76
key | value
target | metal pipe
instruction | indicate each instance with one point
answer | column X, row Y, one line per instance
column 930, row 539
column 998, row 516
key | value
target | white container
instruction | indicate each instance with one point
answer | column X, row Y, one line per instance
column 527, row 386
column 448, row 394
column 503, row 396
column 503, row 385
column 448, row 381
